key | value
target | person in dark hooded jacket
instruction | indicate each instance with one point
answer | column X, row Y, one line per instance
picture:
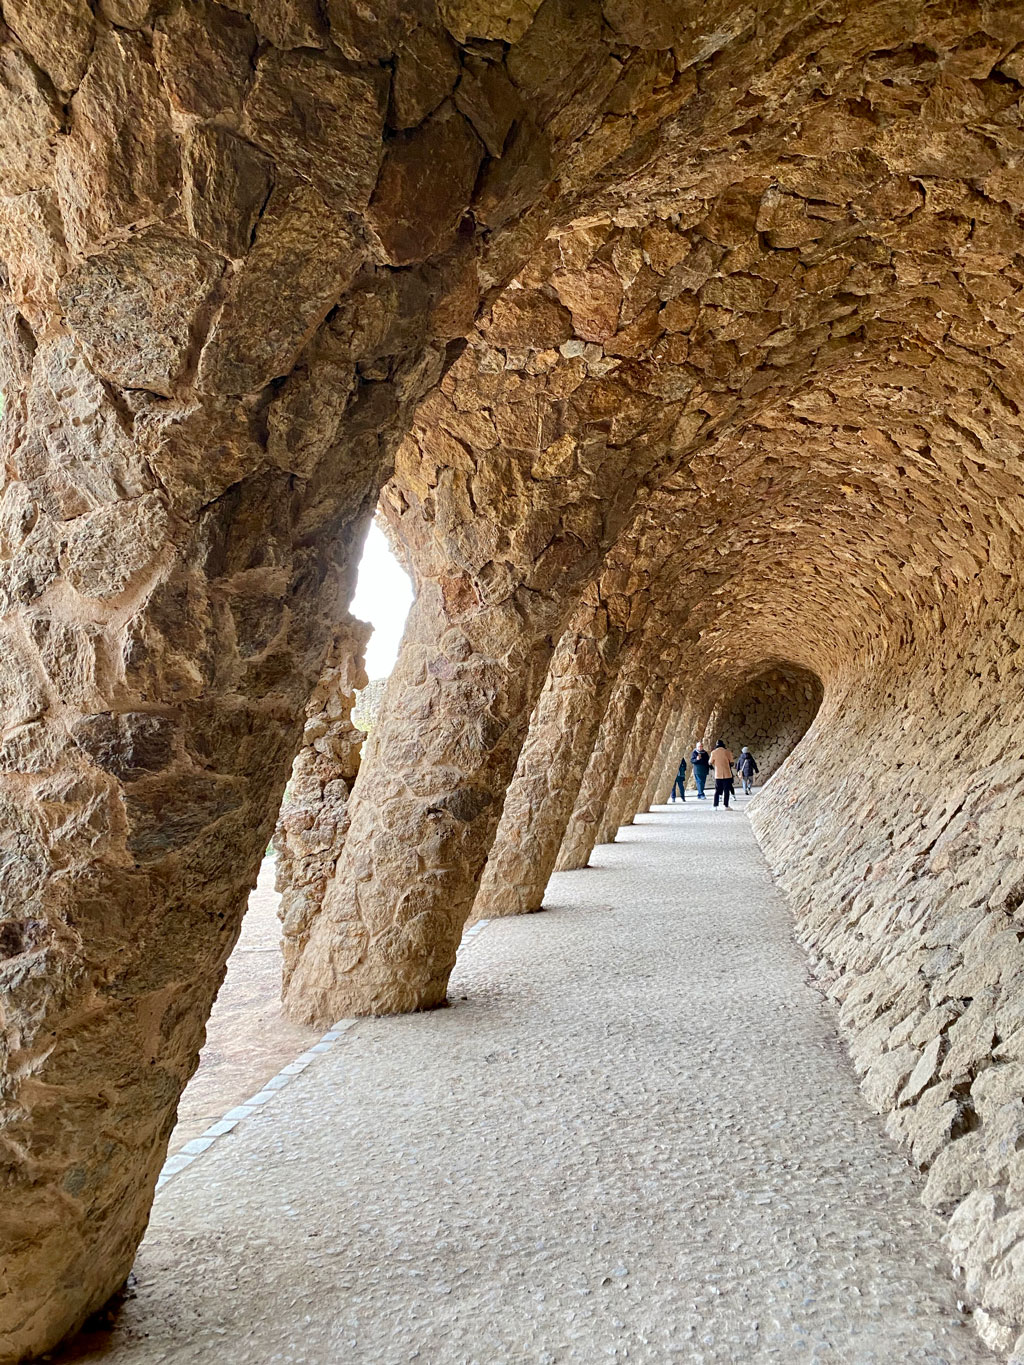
column 680, row 783
column 746, row 767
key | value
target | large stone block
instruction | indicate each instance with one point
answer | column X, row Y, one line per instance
column 134, row 307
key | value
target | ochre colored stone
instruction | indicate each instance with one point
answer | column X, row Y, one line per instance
column 132, row 308
column 58, row 34
column 303, row 255
column 320, row 122
column 424, row 188
column 706, row 327
column 426, row 70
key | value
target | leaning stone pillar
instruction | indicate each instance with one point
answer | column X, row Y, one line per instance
column 314, row 819
column 681, row 746
column 203, row 376
column 581, row 832
column 425, row 809
column 651, row 764
column 622, row 797
column 176, row 597
column 676, row 745
column 551, row 766
column 503, row 539
column 666, row 758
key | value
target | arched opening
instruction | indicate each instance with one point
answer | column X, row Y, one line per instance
column 769, row 713
column 675, row 340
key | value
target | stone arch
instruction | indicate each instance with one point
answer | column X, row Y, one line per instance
column 217, row 324
column 769, row 713
column 774, row 271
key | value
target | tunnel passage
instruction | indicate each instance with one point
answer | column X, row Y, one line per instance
column 749, row 289
column 770, row 714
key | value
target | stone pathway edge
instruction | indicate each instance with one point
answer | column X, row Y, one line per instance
column 228, row 1122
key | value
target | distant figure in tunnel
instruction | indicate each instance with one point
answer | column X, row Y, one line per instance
column 700, row 762
column 746, row 767
column 722, row 761
column 680, row 783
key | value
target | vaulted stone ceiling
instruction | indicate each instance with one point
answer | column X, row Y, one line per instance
column 692, row 336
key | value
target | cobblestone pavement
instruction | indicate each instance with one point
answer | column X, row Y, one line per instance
column 634, row 1136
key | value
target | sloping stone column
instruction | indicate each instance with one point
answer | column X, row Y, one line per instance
column 425, row 809
column 581, row 832
column 503, row 537
column 190, row 452
column 650, row 768
column 563, row 731
column 637, row 756
column 666, row 763
column 314, row 819
column 218, row 317
column 683, row 743
column 173, row 617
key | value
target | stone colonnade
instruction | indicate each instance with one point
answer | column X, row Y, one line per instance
column 691, row 348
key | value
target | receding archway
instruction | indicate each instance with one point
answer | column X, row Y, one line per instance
column 769, row 713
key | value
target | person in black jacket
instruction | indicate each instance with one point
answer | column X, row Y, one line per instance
column 680, row 783
column 746, row 767
column 700, row 762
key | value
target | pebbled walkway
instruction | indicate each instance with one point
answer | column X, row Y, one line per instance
column 634, row 1136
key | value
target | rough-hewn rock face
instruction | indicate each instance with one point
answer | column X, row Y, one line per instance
column 754, row 285
column 208, row 357
column 674, row 745
column 314, row 818
column 504, row 522
column 907, row 890
column 770, row 714
column 563, row 731
column 581, row 832
column 638, row 755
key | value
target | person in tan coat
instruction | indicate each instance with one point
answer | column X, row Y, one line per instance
column 721, row 765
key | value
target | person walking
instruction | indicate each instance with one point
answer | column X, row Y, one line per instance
column 747, row 767
column 700, row 762
column 680, row 783
column 722, row 761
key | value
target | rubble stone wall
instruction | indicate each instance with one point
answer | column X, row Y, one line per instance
column 757, row 286
column 896, row 829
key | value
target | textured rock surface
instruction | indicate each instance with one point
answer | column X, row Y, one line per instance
column 563, row 731
column 314, row 818
column 581, row 832
column 637, row 756
column 503, row 524
column 770, row 714
column 754, row 286
column 207, row 364
column 907, row 893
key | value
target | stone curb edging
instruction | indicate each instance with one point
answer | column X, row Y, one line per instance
column 197, row 1146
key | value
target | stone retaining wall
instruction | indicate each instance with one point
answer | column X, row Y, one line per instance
column 770, row 714
column 907, row 885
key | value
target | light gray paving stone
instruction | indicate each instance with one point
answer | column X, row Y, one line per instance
column 634, row 1135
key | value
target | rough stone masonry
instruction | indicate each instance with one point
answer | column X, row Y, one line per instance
column 692, row 329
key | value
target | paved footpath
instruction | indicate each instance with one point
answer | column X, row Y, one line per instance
column 634, row 1136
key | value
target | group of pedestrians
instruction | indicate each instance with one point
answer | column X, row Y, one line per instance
column 721, row 760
